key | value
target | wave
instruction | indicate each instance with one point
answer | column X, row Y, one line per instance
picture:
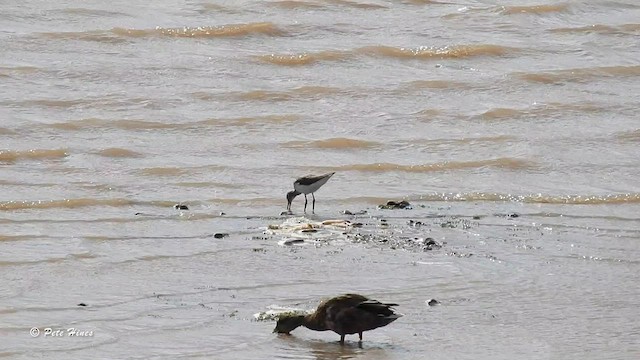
column 301, row 93
column 118, row 35
column 34, row 154
column 435, row 84
column 119, row 153
column 93, row 123
column 295, row 4
column 498, row 139
column 536, row 198
column 448, row 52
column 423, row 53
column 501, row 163
column 5, row 131
column 65, row 203
column 247, row 121
column 535, row 9
column 143, row 125
column 357, row 5
column 333, row 143
column 599, row 29
column 579, row 74
column 163, row 171
column 541, row 110
column 629, row 136
column 304, row 58
column 93, row 12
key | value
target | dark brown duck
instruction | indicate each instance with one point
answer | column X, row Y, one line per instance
column 345, row 314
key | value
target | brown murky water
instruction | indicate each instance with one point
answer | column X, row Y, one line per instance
column 511, row 127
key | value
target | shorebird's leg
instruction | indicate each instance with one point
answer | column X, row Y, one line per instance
column 313, row 211
column 305, row 203
column 360, row 335
column 342, row 339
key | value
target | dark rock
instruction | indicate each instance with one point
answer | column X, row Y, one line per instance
column 391, row 205
column 347, row 212
column 82, row 304
column 138, row 213
column 309, row 230
column 222, row 213
column 512, row 215
column 415, row 223
column 430, row 244
column 477, row 217
column 433, row 302
column 220, row 235
column 180, row 207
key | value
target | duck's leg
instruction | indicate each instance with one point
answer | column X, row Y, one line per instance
column 313, row 211
column 305, row 203
column 342, row 339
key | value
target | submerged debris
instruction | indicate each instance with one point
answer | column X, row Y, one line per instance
column 275, row 312
column 361, row 212
column 430, row 244
column 392, row 205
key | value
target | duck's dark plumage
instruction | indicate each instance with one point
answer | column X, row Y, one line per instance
column 344, row 314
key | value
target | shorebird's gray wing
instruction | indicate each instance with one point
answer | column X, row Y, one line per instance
column 312, row 179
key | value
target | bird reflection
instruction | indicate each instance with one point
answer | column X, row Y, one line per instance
column 330, row 350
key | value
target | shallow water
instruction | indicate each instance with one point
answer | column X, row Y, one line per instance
column 511, row 128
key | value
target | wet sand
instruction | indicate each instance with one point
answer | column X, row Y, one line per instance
column 511, row 128
column 512, row 280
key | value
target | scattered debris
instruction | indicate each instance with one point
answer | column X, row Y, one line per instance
column 415, row 223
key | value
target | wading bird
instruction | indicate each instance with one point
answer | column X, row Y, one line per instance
column 307, row 185
column 345, row 314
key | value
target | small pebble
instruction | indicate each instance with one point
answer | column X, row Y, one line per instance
column 433, row 302
column 220, row 235
column 222, row 213
column 82, row 304
column 347, row 212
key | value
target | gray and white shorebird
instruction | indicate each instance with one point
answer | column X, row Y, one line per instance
column 307, row 185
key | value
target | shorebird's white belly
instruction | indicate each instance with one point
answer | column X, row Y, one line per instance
column 307, row 189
